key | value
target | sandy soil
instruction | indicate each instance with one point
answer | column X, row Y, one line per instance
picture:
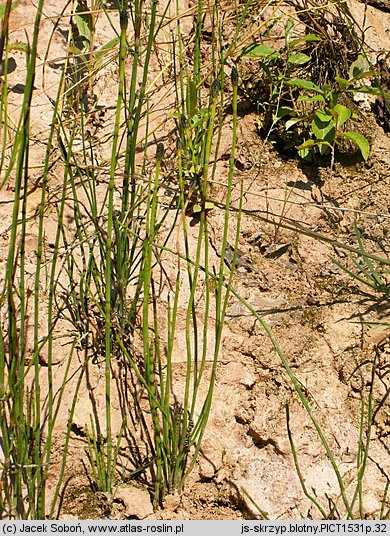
column 314, row 309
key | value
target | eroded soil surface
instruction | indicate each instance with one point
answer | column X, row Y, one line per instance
column 317, row 312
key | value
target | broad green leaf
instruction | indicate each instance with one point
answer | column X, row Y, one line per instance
column 342, row 81
column 299, row 58
column 308, row 144
column 106, row 48
column 323, row 146
column 74, row 50
column 359, row 67
column 84, row 21
column 192, row 98
column 314, row 98
column 359, row 140
column 323, row 130
column 366, row 74
column 260, row 51
column 304, row 149
column 306, row 38
column 282, row 111
column 324, row 134
column 291, row 122
column 342, row 114
column 304, row 84
column 324, row 117
column 303, row 153
column 366, row 89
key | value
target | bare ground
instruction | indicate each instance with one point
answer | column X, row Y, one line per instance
column 314, row 309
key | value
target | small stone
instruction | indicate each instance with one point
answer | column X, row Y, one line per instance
column 277, row 250
column 172, row 502
column 136, row 501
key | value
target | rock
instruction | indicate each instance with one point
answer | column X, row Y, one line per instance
column 172, row 502
column 383, row 5
column 136, row 502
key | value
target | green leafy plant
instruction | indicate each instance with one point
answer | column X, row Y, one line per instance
column 195, row 127
column 300, row 113
column 274, row 98
column 329, row 115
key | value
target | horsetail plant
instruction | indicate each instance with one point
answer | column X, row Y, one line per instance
column 112, row 258
column 110, row 244
column 222, row 293
column 102, row 455
column 26, row 421
column 18, row 429
column 177, row 430
column 150, row 349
